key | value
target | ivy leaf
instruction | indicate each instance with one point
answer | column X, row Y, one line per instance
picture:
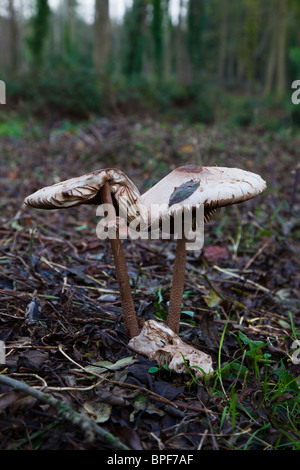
column 183, row 192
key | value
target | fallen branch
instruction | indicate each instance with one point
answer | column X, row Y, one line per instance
column 88, row 426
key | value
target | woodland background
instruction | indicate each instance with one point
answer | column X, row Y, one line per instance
column 211, row 59
column 209, row 84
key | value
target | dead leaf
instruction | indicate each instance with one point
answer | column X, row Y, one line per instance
column 32, row 360
column 212, row 299
column 106, row 366
column 100, row 412
column 215, row 253
column 142, row 403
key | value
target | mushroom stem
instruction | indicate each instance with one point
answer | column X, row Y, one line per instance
column 173, row 319
column 129, row 314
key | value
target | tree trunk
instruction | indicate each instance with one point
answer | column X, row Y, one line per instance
column 167, row 41
column 271, row 64
column 277, row 63
column 223, row 42
column 70, row 25
column 282, row 47
column 14, row 38
column 250, row 42
column 134, row 28
column 157, row 37
column 39, row 31
column 102, row 30
column 195, row 27
column 180, row 53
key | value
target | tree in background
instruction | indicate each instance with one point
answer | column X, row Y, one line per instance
column 195, row 27
column 102, row 35
column 250, row 41
column 180, row 56
column 157, row 31
column 39, row 30
column 226, row 30
column 282, row 48
column 70, row 27
column 134, row 30
column 14, row 38
column 293, row 45
column 276, row 71
column 223, row 37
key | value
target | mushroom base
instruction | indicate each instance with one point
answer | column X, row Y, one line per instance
column 160, row 343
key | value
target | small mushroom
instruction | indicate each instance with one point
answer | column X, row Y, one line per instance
column 106, row 186
column 190, row 187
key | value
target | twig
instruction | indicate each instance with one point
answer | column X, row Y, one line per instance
column 242, row 278
column 248, row 264
column 88, row 426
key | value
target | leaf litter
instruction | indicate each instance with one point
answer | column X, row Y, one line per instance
column 60, row 314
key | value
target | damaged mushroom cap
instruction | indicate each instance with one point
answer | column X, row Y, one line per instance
column 160, row 343
column 107, row 186
column 191, row 185
column 85, row 189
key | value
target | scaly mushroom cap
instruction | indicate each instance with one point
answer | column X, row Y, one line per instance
column 191, row 185
column 86, row 189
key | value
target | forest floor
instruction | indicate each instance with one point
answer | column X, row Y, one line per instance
column 60, row 313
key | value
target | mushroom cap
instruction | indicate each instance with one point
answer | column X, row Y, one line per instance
column 192, row 185
column 85, row 190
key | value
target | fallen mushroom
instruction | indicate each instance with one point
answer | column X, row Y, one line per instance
column 106, row 186
column 158, row 342
column 191, row 187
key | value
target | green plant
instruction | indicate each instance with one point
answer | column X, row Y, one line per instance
column 160, row 311
column 39, row 30
column 13, row 128
column 63, row 86
column 155, row 369
column 276, row 391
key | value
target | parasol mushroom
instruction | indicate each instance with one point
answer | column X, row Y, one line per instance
column 191, row 187
column 106, row 186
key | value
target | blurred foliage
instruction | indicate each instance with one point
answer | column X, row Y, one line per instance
column 134, row 38
column 157, row 31
column 13, row 128
column 195, row 69
column 65, row 86
column 39, row 26
column 196, row 17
